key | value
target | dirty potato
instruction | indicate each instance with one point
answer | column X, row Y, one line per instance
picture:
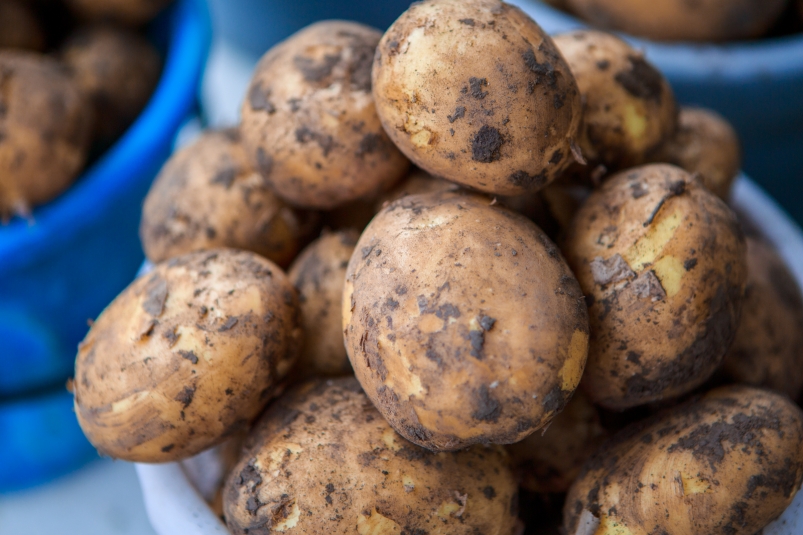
column 318, row 274
column 681, row 20
column 208, row 195
column 128, row 12
column 475, row 92
column 462, row 321
column 549, row 461
column 728, row 463
column 629, row 107
column 46, row 127
column 323, row 460
column 768, row 349
column 186, row 356
column 118, row 70
column 19, row 27
column 663, row 263
column 705, row 143
column 309, row 122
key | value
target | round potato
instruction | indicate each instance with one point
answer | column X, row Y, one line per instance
column 629, row 108
column 549, row 462
column 768, row 349
column 681, row 20
column 705, row 143
column 19, row 27
column 318, row 274
column 462, row 321
column 208, row 195
column 663, row 263
column 323, row 460
column 129, row 12
column 185, row 356
column 475, row 92
column 309, row 123
column 728, row 463
column 118, row 70
column 46, row 127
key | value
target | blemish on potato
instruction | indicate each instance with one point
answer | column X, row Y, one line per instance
column 572, row 369
column 649, row 246
column 670, row 272
column 374, row 523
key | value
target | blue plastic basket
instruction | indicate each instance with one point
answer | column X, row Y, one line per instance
column 757, row 85
column 83, row 248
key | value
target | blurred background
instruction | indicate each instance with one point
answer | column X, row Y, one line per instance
column 83, row 247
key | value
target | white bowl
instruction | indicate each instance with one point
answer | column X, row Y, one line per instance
column 174, row 493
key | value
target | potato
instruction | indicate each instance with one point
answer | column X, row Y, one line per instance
column 322, row 460
column 309, row 123
column 475, row 92
column 462, row 321
column 186, row 356
column 663, row 263
column 129, row 12
column 118, row 69
column 208, row 195
column 19, row 27
column 728, row 463
column 548, row 462
column 705, row 143
column 768, row 349
column 629, row 106
column 44, row 130
column 681, row 20
column 318, row 274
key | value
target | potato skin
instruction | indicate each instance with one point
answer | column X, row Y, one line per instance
column 309, row 122
column 46, row 130
column 118, row 69
column 663, row 263
column 208, row 195
column 19, row 27
column 462, row 321
column 680, row 20
column 726, row 464
column 186, row 356
column 323, row 460
column 128, row 12
column 629, row 108
column 475, row 92
column 705, row 143
column 549, row 461
column 768, row 349
column 318, row 274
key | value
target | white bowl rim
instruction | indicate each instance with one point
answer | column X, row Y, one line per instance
column 175, row 506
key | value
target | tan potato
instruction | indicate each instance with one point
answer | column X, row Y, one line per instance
column 663, row 263
column 549, row 461
column 629, row 107
column 118, row 69
column 208, row 195
column 19, row 27
column 129, row 12
column 462, row 321
column 322, row 460
column 318, row 274
column 45, row 129
column 768, row 349
column 681, row 20
column 186, row 356
column 309, row 123
column 475, row 92
column 728, row 463
column 705, row 143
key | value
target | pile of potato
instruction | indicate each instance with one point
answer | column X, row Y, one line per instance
column 684, row 20
column 73, row 76
column 556, row 305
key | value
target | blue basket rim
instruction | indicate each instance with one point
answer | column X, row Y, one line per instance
column 59, row 222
